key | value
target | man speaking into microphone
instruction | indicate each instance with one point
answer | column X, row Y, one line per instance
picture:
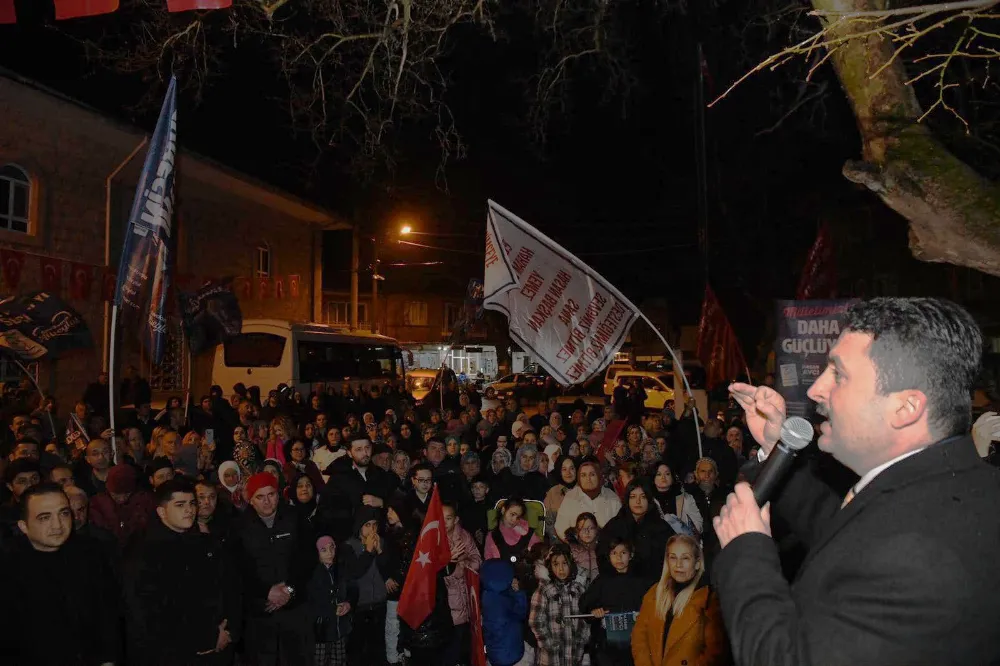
column 903, row 570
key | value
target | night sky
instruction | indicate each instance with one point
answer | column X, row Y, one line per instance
column 615, row 178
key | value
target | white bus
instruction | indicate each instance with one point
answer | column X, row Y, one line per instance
column 307, row 357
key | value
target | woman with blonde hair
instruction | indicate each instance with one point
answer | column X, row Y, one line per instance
column 680, row 621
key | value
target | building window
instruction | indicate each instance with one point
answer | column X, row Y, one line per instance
column 338, row 313
column 15, row 196
column 452, row 311
column 415, row 313
column 263, row 260
column 170, row 375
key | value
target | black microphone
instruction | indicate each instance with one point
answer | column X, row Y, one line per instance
column 796, row 433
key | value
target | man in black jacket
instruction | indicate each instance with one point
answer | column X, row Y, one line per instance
column 60, row 600
column 181, row 592
column 354, row 482
column 274, row 553
column 902, row 569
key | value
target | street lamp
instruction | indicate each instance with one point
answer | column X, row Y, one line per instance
column 405, row 230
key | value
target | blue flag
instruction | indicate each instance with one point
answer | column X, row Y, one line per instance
column 41, row 325
column 144, row 271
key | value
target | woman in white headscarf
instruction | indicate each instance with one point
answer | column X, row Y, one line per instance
column 231, row 481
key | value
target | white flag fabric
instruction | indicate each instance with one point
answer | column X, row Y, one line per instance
column 561, row 311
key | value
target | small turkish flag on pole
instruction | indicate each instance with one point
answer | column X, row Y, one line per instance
column 431, row 554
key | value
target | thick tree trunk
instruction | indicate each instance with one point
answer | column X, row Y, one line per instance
column 954, row 213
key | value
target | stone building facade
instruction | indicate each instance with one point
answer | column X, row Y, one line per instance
column 67, row 179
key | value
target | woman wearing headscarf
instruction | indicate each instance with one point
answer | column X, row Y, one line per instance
column 501, row 480
column 231, row 483
column 530, row 483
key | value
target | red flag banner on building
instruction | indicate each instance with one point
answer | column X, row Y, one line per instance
column 192, row 5
column 718, row 347
column 67, row 9
column 13, row 267
column 819, row 274
column 52, row 270
column 263, row 288
column 7, row 13
column 293, row 287
column 279, row 287
column 431, row 554
column 80, row 276
column 560, row 310
column 477, row 650
column 243, row 288
column 109, row 283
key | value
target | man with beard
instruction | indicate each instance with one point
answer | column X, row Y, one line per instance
column 60, row 604
column 181, row 593
column 354, row 482
column 900, row 570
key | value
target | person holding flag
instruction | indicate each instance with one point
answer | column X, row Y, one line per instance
column 423, row 605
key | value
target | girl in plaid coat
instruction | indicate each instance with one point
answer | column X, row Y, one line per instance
column 561, row 641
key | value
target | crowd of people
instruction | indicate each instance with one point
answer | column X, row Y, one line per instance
column 279, row 530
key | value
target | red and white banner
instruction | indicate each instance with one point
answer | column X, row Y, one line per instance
column 477, row 651
column 67, row 9
column 13, row 267
column 7, row 13
column 560, row 310
column 192, row 5
column 52, row 270
column 293, row 287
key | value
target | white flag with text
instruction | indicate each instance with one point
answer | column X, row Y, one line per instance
column 561, row 311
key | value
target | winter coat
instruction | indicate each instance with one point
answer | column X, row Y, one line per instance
column 343, row 495
column 648, row 536
column 368, row 569
column 458, row 593
column 179, row 587
column 328, row 587
column 59, row 608
column 695, row 637
column 604, row 507
column 268, row 556
column 513, row 537
column 122, row 520
column 504, row 613
column 616, row 593
column 561, row 642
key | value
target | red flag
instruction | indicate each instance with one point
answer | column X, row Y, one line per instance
column 432, row 553
column 478, row 648
column 244, row 288
column 51, row 274
column 263, row 288
column 718, row 347
column 191, row 5
column 7, row 13
column 612, row 432
column 819, row 274
column 279, row 287
column 80, row 276
column 109, row 283
column 293, row 287
column 67, row 9
column 13, row 267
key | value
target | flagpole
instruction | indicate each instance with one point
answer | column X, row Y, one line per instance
column 111, row 381
column 677, row 364
column 38, row 388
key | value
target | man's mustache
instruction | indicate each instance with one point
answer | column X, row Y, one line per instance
column 822, row 410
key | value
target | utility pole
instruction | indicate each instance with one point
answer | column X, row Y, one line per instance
column 355, row 252
column 375, row 278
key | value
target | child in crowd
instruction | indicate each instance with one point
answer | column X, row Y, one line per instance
column 561, row 641
column 332, row 597
column 505, row 609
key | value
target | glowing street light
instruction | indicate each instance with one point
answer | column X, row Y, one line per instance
column 406, row 229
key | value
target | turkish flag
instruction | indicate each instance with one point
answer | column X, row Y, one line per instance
column 245, row 288
column 13, row 267
column 612, row 433
column 51, row 274
column 7, row 13
column 478, row 647
column 80, row 276
column 67, row 9
column 263, row 288
column 109, row 283
column 191, row 5
column 279, row 287
column 432, row 553
column 293, row 287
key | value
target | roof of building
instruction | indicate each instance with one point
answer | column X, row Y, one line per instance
column 198, row 166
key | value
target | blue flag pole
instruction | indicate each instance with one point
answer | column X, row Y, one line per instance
column 144, row 272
